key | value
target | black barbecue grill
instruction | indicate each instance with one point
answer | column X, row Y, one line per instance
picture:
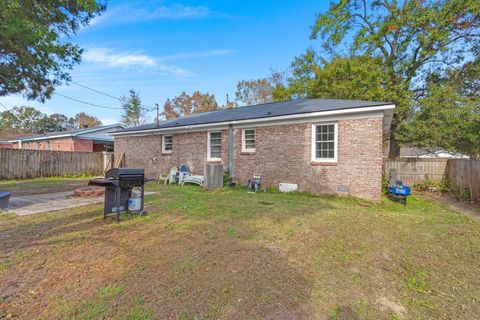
column 124, row 187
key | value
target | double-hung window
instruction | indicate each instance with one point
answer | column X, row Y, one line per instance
column 324, row 142
column 214, row 146
column 167, row 144
column 248, row 140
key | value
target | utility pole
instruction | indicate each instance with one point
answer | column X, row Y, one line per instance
column 158, row 114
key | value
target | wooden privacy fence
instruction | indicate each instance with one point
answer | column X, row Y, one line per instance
column 462, row 173
column 23, row 164
column 465, row 174
column 411, row 171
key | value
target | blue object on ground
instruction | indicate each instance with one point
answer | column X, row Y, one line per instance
column 396, row 190
column 4, row 199
column 400, row 190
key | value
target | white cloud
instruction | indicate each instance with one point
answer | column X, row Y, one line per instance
column 125, row 60
column 138, row 11
column 102, row 55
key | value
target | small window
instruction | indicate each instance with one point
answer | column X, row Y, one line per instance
column 248, row 140
column 167, row 144
column 214, row 146
column 324, row 142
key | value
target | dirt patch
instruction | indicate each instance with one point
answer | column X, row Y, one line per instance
column 461, row 206
column 389, row 305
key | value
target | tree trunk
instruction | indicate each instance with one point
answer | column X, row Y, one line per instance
column 394, row 146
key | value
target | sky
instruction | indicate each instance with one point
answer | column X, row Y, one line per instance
column 161, row 48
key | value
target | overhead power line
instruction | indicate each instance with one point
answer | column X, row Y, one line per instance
column 87, row 103
column 149, row 108
column 95, row 90
column 107, row 95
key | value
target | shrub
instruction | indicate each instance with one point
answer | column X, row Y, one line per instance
column 385, row 181
column 426, row 185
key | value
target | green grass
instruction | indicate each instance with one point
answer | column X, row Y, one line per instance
column 229, row 254
column 43, row 185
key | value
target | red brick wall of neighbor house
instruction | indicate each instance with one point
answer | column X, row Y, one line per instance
column 6, row 146
column 55, row 145
column 283, row 154
column 67, row 144
column 81, row 145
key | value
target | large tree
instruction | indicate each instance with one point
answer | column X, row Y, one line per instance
column 83, row 120
column 22, row 120
column 185, row 104
column 134, row 114
column 56, row 122
column 35, row 54
column 448, row 116
column 355, row 78
column 411, row 38
column 258, row 91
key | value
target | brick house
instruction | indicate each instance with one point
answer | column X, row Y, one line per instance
column 5, row 145
column 323, row 145
column 84, row 140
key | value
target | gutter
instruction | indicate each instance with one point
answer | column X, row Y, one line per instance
column 226, row 124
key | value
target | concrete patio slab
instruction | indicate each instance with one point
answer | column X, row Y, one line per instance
column 26, row 205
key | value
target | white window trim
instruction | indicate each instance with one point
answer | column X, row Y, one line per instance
column 209, row 158
column 244, row 143
column 163, row 143
column 335, row 144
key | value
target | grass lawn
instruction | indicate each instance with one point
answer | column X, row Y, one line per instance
column 232, row 255
column 41, row 185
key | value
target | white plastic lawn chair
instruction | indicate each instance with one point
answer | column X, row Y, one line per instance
column 184, row 176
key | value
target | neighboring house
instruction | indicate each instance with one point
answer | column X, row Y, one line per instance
column 418, row 152
column 85, row 140
column 324, row 146
column 5, row 145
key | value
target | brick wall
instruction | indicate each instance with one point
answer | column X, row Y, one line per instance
column 283, row 154
column 146, row 152
column 65, row 144
column 82, row 145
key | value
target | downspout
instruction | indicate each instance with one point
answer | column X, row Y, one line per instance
column 230, row 151
column 19, row 144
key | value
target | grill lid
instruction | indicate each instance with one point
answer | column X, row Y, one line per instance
column 116, row 173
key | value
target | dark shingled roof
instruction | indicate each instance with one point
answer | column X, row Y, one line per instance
column 267, row 110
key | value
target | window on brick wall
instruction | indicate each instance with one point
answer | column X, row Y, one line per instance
column 248, row 140
column 214, row 146
column 324, row 142
column 167, row 144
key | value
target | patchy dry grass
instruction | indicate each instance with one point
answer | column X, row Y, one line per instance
column 42, row 185
column 232, row 255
